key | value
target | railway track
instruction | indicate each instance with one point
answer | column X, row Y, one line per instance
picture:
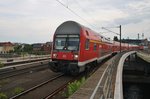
column 61, row 88
column 50, row 88
column 84, row 74
column 32, row 92
column 15, row 72
column 24, row 61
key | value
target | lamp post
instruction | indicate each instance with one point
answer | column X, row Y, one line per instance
column 115, row 33
column 120, row 38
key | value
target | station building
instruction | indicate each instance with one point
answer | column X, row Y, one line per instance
column 6, row 47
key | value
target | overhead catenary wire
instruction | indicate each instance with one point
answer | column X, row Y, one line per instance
column 66, row 6
column 110, row 31
column 84, row 10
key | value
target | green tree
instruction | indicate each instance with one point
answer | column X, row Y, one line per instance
column 115, row 38
column 27, row 48
column 17, row 48
column 23, row 48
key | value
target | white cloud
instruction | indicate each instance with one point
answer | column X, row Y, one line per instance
column 36, row 20
column 139, row 6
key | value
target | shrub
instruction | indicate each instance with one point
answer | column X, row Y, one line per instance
column 3, row 96
column 18, row 90
column 1, row 65
column 74, row 86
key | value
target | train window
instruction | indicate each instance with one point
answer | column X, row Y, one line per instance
column 73, row 43
column 61, row 35
column 73, row 35
column 95, row 46
column 60, row 43
column 87, row 44
column 87, row 33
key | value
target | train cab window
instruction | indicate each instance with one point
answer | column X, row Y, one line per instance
column 66, row 42
column 95, row 46
column 60, row 43
column 73, row 43
column 87, row 44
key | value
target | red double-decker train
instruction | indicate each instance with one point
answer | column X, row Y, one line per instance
column 75, row 47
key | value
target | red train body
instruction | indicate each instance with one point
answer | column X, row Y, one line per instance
column 75, row 47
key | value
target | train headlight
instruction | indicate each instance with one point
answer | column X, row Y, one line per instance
column 75, row 57
column 54, row 55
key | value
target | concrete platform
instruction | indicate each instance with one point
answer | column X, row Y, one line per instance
column 144, row 56
column 102, row 83
column 86, row 90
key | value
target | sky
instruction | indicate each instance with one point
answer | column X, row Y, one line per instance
column 35, row 21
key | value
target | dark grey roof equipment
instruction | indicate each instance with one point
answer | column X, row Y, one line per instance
column 69, row 27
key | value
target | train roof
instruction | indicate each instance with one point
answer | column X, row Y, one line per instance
column 69, row 27
column 72, row 27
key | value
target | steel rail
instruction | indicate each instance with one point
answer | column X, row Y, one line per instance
column 13, row 69
column 58, row 90
column 55, row 92
column 37, row 86
column 24, row 61
column 9, row 74
column 12, row 61
column 23, row 64
column 25, row 57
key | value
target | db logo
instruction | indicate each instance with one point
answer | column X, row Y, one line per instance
column 100, row 46
column 64, row 56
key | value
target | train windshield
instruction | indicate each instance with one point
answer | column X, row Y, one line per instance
column 60, row 43
column 67, row 42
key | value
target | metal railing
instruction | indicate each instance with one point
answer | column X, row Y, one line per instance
column 118, row 92
column 104, row 88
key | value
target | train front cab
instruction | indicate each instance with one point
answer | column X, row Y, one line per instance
column 65, row 53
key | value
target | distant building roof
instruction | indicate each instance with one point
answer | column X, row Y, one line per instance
column 136, row 41
column 37, row 45
column 6, row 44
column 48, row 43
